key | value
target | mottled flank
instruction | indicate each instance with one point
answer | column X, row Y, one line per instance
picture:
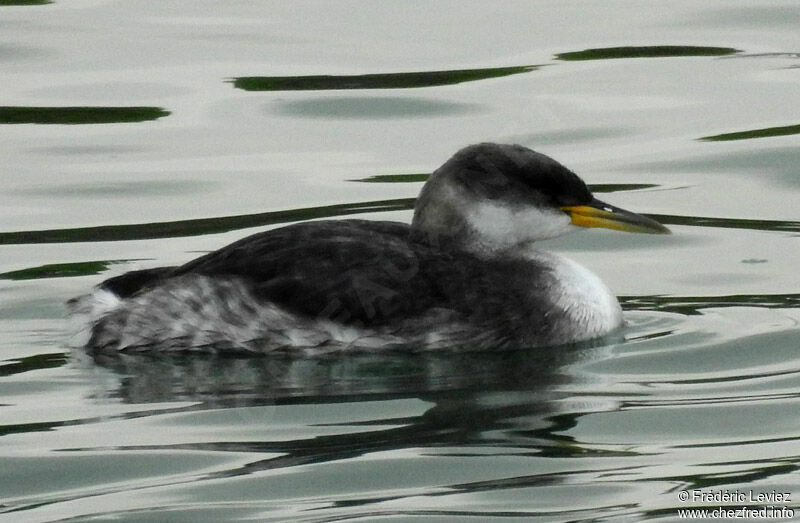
column 202, row 313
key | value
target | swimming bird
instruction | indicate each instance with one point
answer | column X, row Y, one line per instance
column 464, row 275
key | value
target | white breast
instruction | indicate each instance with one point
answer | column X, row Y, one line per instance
column 591, row 308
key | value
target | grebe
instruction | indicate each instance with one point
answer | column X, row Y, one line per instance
column 464, row 275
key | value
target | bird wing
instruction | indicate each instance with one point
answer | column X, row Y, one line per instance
column 366, row 273
column 351, row 271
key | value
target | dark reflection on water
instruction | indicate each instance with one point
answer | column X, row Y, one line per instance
column 689, row 305
column 24, row 2
column 199, row 226
column 472, row 395
column 394, row 178
column 728, row 223
column 562, row 414
column 281, row 377
column 35, row 362
column 423, row 177
column 655, row 51
column 372, row 107
column 754, row 133
column 61, row 270
column 104, row 233
column 78, row 115
column 470, row 400
column 620, row 187
column 220, row 224
column 406, row 80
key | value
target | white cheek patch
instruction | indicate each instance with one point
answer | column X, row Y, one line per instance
column 500, row 226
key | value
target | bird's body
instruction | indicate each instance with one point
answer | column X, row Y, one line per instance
column 464, row 275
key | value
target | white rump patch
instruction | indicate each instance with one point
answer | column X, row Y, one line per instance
column 85, row 311
column 201, row 313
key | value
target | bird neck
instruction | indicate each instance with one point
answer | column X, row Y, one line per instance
column 449, row 217
column 446, row 227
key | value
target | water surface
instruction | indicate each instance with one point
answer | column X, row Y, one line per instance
column 184, row 129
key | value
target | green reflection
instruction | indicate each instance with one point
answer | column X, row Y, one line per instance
column 416, row 178
column 620, row 187
column 394, row 178
column 692, row 305
column 656, row 51
column 755, row 133
column 374, row 81
column 24, row 2
column 727, row 223
column 78, row 115
column 58, row 270
column 24, row 428
column 199, row 226
column 39, row 361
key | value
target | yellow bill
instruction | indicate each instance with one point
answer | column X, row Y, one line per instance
column 601, row 214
